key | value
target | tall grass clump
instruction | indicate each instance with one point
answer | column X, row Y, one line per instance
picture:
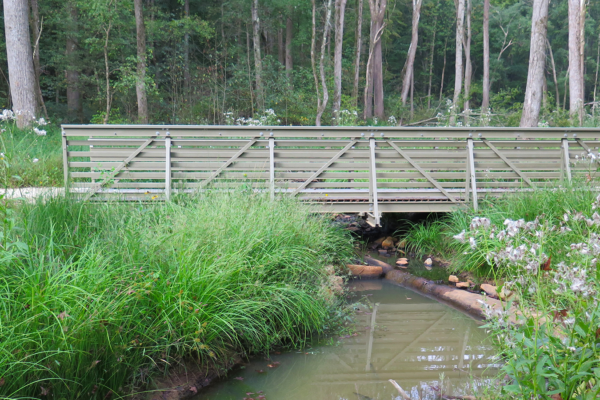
column 541, row 249
column 97, row 299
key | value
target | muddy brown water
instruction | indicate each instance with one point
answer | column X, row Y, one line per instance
column 427, row 347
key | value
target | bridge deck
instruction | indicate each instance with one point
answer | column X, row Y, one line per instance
column 344, row 169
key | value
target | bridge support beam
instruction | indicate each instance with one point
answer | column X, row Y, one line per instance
column 471, row 168
column 168, row 167
column 272, row 167
column 375, row 217
column 565, row 165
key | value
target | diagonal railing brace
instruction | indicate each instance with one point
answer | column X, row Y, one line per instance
column 126, row 162
column 508, row 162
column 422, row 171
column 227, row 163
column 323, row 168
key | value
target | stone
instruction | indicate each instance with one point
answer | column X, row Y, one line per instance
column 376, row 243
column 337, row 284
column 402, row 244
column 428, row 263
column 505, row 294
column 365, row 271
column 402, row 262
column 453, row 278
column 383, row 252
column 329, row 269
column 388, row 243
column 462, row 285
column 490, row 290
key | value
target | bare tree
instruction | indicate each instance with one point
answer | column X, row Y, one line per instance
column 359, row 20
column 575, row 60
column 412, row 50
column 260, row 101
column 458, row 76
column 431, row 53
column 377, row 8
column 468, row 64
column 340, row 10
column 140, row 85
column 20, row 61
column 280, row 48
column 368, row 96
column 74, row 105
column 485, row 101
column 443, row 70
column 289, row 35
column 537, row 60
column 313, row 57
column 187, row 78
column 554, row 75
column 36, row 27
column 326, row 27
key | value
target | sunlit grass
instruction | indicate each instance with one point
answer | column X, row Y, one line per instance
column 99, row 298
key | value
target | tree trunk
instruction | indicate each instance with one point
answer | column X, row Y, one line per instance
column 289, row 34
column 468, row 65
column 280, row 48
column 432, row 53
column 537, row 58
column 575, row 62
column 377, row 13
column 74, row 106
column 20, row 61
column 107, row 72
column 412, row 50
column 443, row 70
column 260, row 101
column 340, row 9
column 323, row 104
column 596, row 77
column 368, row 96
column 485, row 102
column 140, row 86
column 458, row 76
column 313, row 58
column 187, row 78
column 36, row 26
column 359, row 19
column 554, row 75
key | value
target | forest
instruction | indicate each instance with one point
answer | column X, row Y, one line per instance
column 302, row 62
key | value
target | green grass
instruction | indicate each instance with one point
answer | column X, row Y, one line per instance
column 101, row 298
column 21, row 148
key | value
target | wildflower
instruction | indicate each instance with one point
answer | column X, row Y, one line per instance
column 39, row 132
column 42, row 122
column 35, row 160
column 566, row 217
column 460, row 237
column 472, row 243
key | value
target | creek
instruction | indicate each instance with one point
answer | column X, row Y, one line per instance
column 430, row 349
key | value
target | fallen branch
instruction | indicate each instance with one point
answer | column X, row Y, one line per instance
column 402, row 392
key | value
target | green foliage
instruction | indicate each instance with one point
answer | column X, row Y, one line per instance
column 102, row 298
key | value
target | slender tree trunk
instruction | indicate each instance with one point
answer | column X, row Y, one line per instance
column 368, row 96
column 187, row 78
column 575, row 62
column 249, row 69
column 537, row 59
column 313, row 57
column 21, row 72
column 485, row 102
column 36, row 26
column 260, row 101
column 432, row 53
column 582, row 54
column 412, row 50
column 443, row 70
column 74, row 106
column 107, row 72
column 140, row 87
column 340, row 10
column 323, row 104
column 377, row 14
column 554, row 75
column 468, row 65
column 289, row 34
column 458, row 76
column 412, row 93
column 280, row 48
column 564, row 105
column 359, row 20
column 596, row 77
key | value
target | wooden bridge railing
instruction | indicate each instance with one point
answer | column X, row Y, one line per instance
column 345, row 169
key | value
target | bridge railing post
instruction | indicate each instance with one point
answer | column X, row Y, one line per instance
column 471, row 166
column 272, row 167
column 565, row 166
column 168, row 167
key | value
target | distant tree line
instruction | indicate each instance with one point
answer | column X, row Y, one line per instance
column 206, row 61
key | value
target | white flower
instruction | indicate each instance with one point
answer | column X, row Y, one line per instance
column 42, row 122
column 460, row 237
column 473, row 243
column 35, row 160
column 40, row 132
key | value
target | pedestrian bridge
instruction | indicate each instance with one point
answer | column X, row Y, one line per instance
column 368, row 170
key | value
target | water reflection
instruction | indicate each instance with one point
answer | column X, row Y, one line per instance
column 427, row 347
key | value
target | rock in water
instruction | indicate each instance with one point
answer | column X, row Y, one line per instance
column 383, row 252
column 388, row 243
column 428, row 263
column 462, row 285
column 453, row 279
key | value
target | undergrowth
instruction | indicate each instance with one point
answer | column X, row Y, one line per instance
column 97, row 299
